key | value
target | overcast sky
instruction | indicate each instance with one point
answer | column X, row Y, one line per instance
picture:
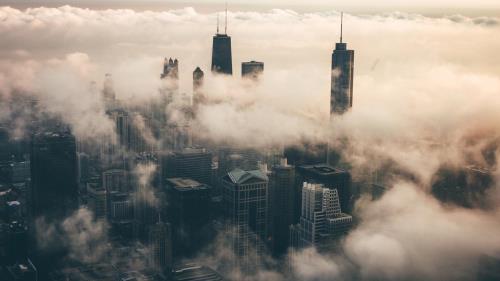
column 428, row 7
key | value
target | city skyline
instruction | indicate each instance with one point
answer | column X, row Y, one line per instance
column 124, row 134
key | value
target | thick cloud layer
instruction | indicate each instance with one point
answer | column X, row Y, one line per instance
column 427, row 94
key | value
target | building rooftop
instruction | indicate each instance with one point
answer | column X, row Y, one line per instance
column 239, row 176
column 192, row 272
column 186, row 184
column 322, row 169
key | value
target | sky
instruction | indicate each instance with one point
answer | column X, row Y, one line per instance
column 426, row 96
column 429, row 7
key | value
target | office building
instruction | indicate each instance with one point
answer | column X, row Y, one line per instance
column 192, row 163
column 330, row 177
column 198, row 77
column 189, row 209
column 321, row 220
column 342, row 78
column 252, row 69
column 115, row 180
column 245, row 202
column 97, row 200
column 54, row 188
column 160, row 242
column 281, row 204
column 222, row 62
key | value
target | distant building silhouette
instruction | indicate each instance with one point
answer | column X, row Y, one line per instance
column 198, row 76
column 342, row 78
column 252, row 69
column 221, row 52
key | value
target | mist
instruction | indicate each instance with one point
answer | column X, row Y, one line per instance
column 426, row 95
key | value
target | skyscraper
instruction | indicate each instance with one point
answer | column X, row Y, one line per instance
column 252, row 69
column 342, row 77
column 221, row 51
column 330, row 177
column 198, row 76
column 321, row 218
column 188, row 209
column 53, row 174
column 281, row 204
column 160, row 241
column 245, row 203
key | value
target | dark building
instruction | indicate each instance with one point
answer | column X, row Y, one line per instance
column 17, row 242
column 189, row 207
column 160, row 241
column 198, row 76
column 170, row 69
column 54, row 174
column 193, row 272
column 342, row 78
column 252, row 69
column 281, row 205
column 222, row 61
column 330, row 177
column 245, row 203
column 193, row 163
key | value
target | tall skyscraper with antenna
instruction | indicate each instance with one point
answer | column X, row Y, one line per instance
column 221, row 51
column 342, row 77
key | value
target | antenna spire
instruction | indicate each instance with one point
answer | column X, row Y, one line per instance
column 217, row 23
column 225, row 26
column 341, row 25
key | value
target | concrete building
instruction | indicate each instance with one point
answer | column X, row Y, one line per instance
column 330, row 177
column 321, row 219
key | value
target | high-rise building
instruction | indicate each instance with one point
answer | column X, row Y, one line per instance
column 281, row 204
column 252, row 69
column 221, row 52
column 189, row 209
column 192, row 163
column 53, row 174
column 198, row 76
column 115, row 180
column 245, row 204
column 321, row 218
column 97, row 200
column 330, row 177
column 108, row 92
column 342, row 78
column 160, row 242
column 170, row 69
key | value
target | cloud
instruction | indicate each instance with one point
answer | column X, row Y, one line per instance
column 426, row 94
